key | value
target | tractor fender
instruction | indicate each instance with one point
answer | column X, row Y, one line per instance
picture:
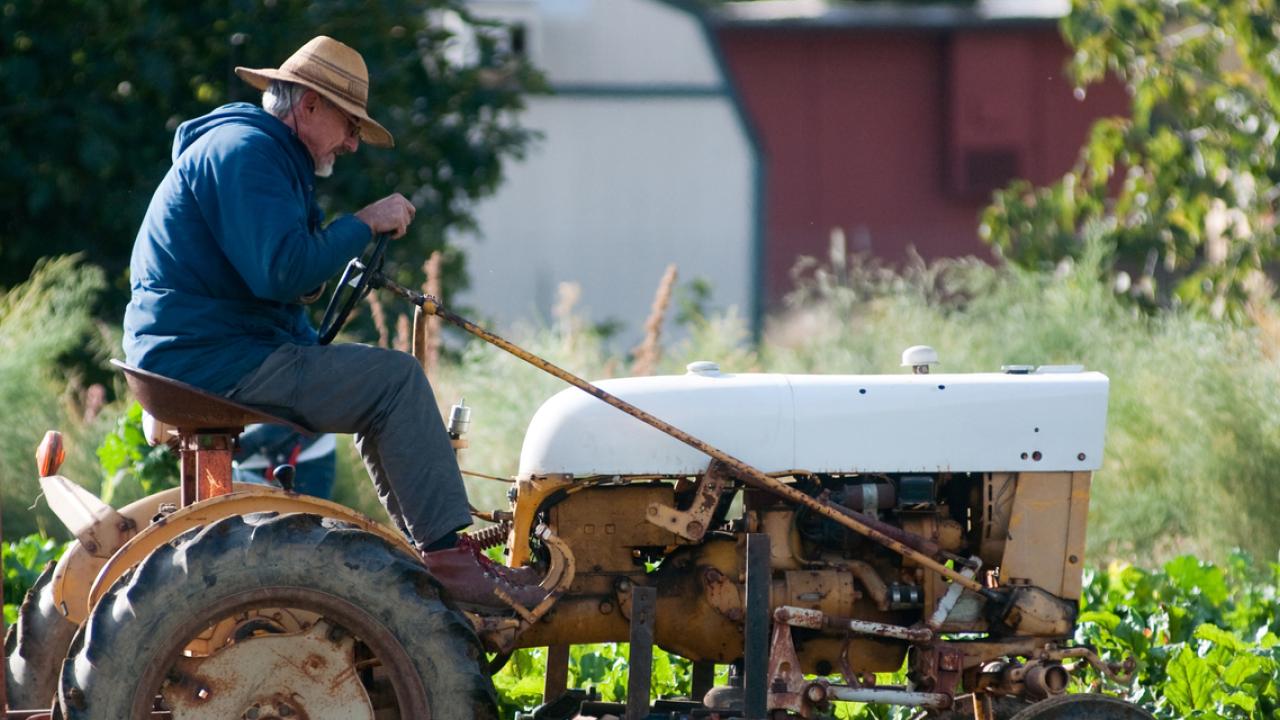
column 86, row 578
column 76, row 569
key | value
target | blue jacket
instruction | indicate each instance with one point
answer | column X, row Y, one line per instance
column 231, row 239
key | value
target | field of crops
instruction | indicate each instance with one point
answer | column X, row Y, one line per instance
column 1204, row 636
column 1188, row 475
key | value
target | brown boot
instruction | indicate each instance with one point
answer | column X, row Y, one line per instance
column 523, row 575
column 471, row 580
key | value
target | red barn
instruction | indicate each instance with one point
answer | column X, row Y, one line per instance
column 895, row 122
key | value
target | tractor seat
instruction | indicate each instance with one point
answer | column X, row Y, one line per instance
column 190, row 409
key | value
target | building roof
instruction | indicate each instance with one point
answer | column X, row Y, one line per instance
column 880, row 15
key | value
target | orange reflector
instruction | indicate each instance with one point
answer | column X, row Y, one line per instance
column 50, row 454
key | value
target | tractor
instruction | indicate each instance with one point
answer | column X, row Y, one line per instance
column 811, row 532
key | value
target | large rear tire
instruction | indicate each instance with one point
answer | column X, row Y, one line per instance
column 35, row 646
column 131, row 650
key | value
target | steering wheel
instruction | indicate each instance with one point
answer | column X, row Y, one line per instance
column 354, row 285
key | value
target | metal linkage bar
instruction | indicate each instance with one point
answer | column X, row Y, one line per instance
column 644, row 606
column 887, row 696
column 916, row 548
column 704, row 677
column 557, row 680
column 817, row 620
column 755, row 665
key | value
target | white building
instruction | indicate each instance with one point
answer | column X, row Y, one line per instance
column 646, row 159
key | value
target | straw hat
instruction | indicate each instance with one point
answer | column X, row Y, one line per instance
column 334, row 70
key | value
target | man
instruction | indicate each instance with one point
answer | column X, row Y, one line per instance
column 233, row 239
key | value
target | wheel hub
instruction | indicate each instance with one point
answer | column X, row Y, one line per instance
column 310, row 675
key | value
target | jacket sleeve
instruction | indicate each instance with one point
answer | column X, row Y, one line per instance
column 258, row 215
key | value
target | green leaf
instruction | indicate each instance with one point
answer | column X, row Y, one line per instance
column 1103, row 618
column 1241, row 700
column 1217, row 635
column 1242, row 668
column 1194, row 577
column 1191, row 682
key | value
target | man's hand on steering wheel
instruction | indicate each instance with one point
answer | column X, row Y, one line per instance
column 392, row 214
column 388, row 218
column 356, row 282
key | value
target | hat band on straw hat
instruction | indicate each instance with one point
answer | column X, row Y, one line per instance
column 335, row 71
column 356, row 91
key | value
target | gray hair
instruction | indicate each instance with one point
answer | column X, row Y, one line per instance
column 281, row 96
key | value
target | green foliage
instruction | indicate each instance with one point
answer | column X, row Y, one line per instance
column 504, row 392
column 131, row 468
column 44, row 323
column 1184, row 189
column 1190, row 452
column 602, row 670
column 23, row 562
column 599, row 667
column 89, row 115
column 1204, row 635
column 1190, row 456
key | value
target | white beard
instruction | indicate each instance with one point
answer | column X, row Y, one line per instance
column 325, row 168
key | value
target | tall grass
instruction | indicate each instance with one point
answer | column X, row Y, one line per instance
column 1192, row 442
column 43, row 322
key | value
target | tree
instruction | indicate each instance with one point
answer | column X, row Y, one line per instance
column 1184, row 190
column 94, row 89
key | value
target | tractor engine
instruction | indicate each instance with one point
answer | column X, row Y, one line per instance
column 990, row 470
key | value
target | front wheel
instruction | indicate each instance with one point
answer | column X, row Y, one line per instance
column 275, row 616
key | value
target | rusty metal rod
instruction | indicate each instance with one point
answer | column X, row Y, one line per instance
column 749, row 474
column 889, row 696
column 817, row 620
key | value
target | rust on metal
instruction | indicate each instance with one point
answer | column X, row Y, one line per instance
column 722, row 593
column 557, row 580
column 532, row 492
column 300, row 675
column 1121, row 672
column 871, row 582
column 890, row 696
column 787, row 686
column 949, row 599
column 246, row 499
column 212, row 462
column 644, row 606
column 895, row 540
column 75, row 571
column 693, row 523
column 557, row 680
column 1045, row 679
column 939, row 666
column 491, row 536
column 817, row 620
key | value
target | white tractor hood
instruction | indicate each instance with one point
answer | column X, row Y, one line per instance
column 980, row 422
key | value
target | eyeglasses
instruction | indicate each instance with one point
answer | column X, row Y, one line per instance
column 353, row 122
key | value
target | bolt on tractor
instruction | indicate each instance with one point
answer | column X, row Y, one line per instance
column 812, row 532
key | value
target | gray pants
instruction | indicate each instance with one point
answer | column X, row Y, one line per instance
column 384, row 398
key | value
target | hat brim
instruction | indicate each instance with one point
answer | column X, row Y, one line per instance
column 370, row 130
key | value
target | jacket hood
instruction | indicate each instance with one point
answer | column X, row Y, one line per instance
column 240, row 113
